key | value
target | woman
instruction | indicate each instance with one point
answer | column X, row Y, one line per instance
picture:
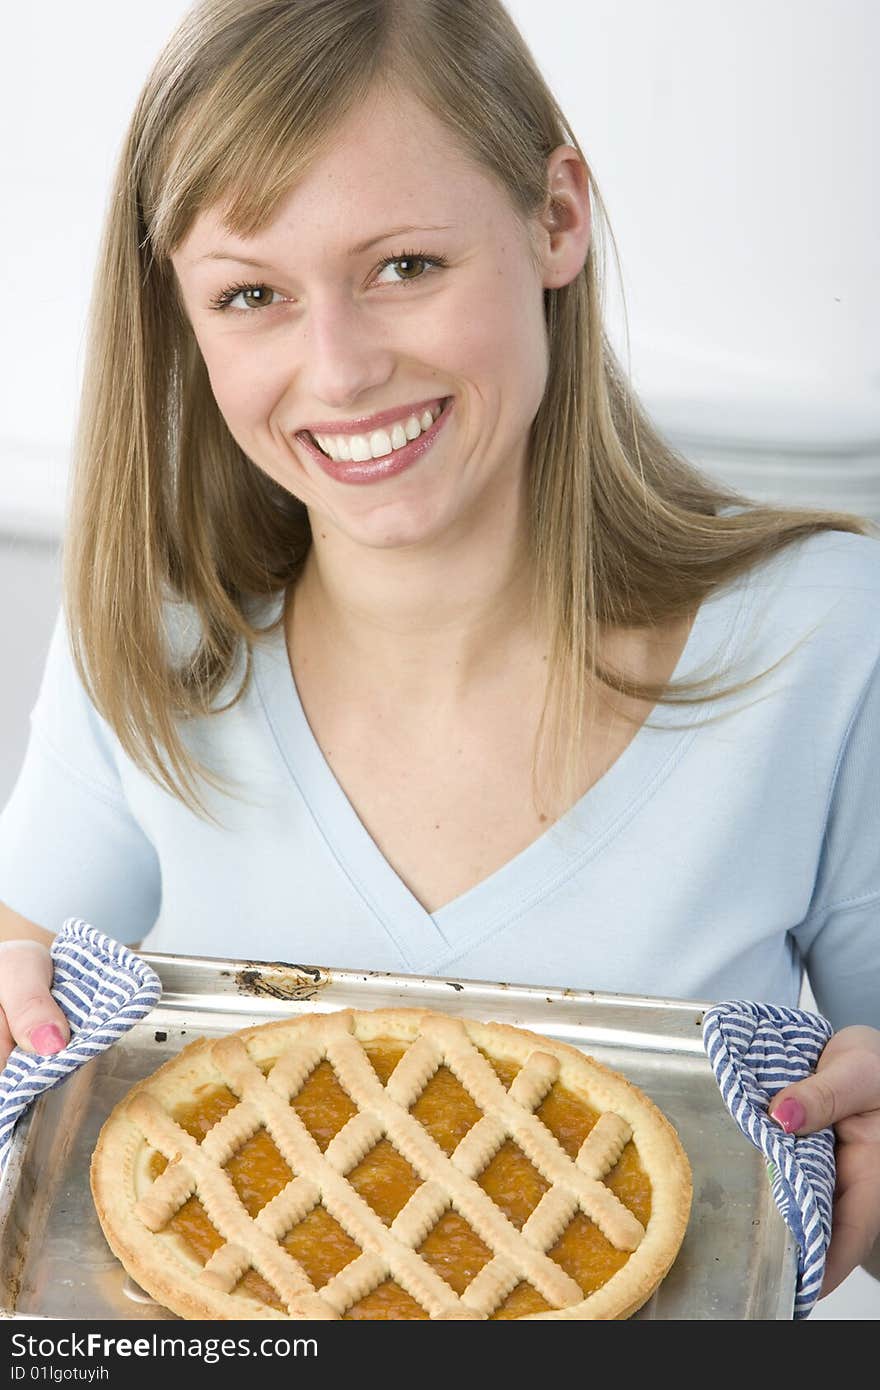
column 395, row 636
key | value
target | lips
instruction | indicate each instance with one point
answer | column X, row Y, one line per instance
column 359, row 446
column 365, row 424
column 377, row 470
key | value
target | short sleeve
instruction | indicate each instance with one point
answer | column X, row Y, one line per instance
column 69, row 845
column 840, row 939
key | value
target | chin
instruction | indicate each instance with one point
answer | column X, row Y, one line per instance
column 394, row 528
column 394, row 538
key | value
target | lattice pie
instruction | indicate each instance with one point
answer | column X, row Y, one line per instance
column 391, row 1164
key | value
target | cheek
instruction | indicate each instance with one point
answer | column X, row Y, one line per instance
column 247, row 391
column 500, row 333
column 243, row 389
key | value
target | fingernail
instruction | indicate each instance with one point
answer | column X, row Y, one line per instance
column 47, row 1039
column 790, row 1114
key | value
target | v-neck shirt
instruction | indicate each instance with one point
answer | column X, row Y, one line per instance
column 429, row 941
column 730, row 843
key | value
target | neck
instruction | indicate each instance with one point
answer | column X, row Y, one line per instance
column 425, row 621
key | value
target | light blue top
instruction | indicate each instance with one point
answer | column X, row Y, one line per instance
column 712, row 861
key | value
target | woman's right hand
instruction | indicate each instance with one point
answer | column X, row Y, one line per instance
column 29, row 1016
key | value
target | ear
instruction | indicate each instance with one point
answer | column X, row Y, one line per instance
column 565, row 225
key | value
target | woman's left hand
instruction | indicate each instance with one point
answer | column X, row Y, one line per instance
column 844, row 1091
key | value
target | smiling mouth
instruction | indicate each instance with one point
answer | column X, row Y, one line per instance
column 359, row 464
column 380, row 443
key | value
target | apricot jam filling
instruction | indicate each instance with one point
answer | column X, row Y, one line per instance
column 386, row 1181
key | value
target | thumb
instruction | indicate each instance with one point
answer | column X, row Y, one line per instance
column 32, row 1018
column 844, row 1083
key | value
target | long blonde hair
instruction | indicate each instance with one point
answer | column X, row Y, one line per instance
column 164, row 503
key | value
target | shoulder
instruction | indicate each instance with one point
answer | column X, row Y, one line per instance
column 184, row 629
column 840, row 557
column 825, row 587
column 805, row 618
column 182, row 632
column 837, row 561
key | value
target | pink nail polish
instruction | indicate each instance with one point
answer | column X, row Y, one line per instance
column 790, row 1114
column 47, row 1039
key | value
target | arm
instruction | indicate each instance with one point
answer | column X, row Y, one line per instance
column 14, row 927
column 70, row 844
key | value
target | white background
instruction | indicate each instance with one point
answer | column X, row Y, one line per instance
column 734, row 146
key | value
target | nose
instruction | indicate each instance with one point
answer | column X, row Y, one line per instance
column 346, row 353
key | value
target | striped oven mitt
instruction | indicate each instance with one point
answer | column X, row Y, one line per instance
column 756, row 1050
column 104, row 989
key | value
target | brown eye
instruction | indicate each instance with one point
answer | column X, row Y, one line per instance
column 410, row 267
column 406, row 264
column 243, row 299
column 256, row 296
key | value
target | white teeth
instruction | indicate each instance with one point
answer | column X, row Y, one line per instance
column 357, row 448
column 380, row 443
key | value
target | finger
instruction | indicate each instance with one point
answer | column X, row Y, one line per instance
column 855, row 1226
column 7, row 1041
column 846, row 1252
column 34, row 1020
column 848, row 1083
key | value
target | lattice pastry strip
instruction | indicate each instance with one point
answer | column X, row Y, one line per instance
column 413, row 1141
column 217, row 1194
column 512, row 1110
column 357, row 1217
column 301, row 1152
column 345, row 1151
column 597, row 1156
column 267, row 1066
column 227, row 1264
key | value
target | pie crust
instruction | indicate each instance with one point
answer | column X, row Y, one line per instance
column 391, row 1163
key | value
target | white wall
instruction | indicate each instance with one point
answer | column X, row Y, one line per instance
column 735, row 147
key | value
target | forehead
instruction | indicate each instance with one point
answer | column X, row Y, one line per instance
column 390, row 163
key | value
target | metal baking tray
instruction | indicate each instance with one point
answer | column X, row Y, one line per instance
column 738, row 1259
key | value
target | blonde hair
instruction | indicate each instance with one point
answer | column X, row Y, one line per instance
column 164, row 503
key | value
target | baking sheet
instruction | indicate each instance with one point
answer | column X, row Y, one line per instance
column 738, row 1260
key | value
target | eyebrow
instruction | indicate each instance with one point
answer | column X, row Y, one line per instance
column 358, row 250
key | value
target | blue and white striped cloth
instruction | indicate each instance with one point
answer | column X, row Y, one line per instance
column 756, row 1050
column 103, row 988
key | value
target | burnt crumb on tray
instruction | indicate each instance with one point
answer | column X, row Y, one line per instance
column 282, row 981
